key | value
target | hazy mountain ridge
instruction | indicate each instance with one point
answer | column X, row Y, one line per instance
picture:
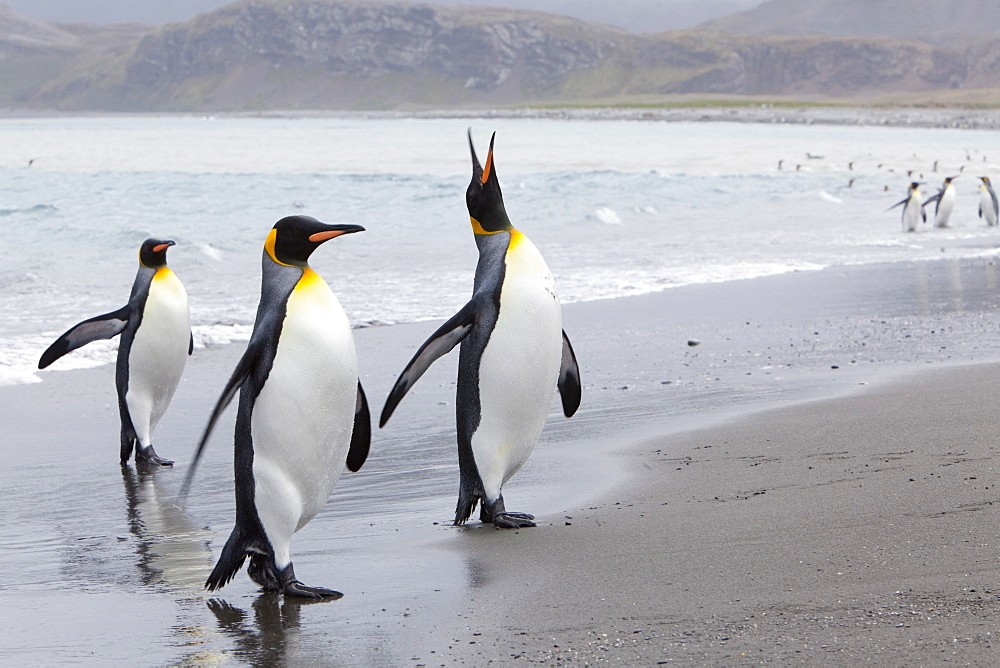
column 333, row 54
column 929, row 20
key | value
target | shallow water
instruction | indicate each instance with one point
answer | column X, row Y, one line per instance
column 111, row 566
column 617, row 208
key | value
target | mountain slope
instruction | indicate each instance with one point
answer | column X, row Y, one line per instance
column 350, row 54
column 930, row 20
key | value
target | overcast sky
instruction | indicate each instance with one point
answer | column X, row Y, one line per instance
column 634, row 15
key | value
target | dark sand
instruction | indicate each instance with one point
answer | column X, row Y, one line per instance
column 811, row 482
column 861, row 529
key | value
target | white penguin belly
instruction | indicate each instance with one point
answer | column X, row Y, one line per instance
column 911, row 214
column 159, row 353
column 945, row 207
column 304, row 415
column 519, row 368
column 986, row 206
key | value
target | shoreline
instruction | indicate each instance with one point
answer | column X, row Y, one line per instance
column 853, row 528
column 792, row 112
column 785, row 345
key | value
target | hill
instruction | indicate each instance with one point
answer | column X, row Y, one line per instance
column 929, row 20
column 349, row 54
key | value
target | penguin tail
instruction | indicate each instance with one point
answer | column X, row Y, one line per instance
column 469, row 495
column 463, row 510
column 128, row 437
column 230, row 561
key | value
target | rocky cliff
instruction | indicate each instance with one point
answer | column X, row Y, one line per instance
column 349, row 54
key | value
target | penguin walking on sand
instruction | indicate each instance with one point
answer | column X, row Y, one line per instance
column 156, row 339
column 913, row 210
column 302, row 411
column 945, row 202
column 988, row 206
column 513, row 355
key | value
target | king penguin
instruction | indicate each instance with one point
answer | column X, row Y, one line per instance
column 913, row 210
column 945, row 199
column 302, row 411
column 988, row 206
column 513, row 355
column 156, row 339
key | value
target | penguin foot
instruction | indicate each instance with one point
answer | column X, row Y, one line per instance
column 296, row 588
column 148, row 456
column 286, row 583
column 501, row 519
column 513, row 520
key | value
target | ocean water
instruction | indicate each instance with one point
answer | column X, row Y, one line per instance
column 110, row 568
column 617, row 208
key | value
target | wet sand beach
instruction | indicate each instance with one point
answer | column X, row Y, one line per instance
column 847, row 531
column 798, row 468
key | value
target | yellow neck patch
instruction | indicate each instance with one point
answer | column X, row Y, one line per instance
column 269, row 246
column 161, row 273
column 309, row 279
column 478, row 228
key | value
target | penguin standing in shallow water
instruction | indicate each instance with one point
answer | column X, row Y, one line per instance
column 514, row 354
column 988, row 206
column 945, row 199
column 156, row 339
column 913, row 210
column 302, row 412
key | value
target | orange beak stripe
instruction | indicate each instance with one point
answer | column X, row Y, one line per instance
column 324, row 236
column 489, row 166
column 161, row 247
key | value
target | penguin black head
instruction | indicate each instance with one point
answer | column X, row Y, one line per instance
column 153, row 253
column 949, row 179
column 293, row 238
column 484, row 199
column 985, row 179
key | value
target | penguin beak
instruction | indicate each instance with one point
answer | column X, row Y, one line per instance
column 489, row 162
column 334, row 231
column 164, row 246
column 477, row 169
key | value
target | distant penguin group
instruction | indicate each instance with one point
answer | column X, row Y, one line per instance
column 302, row 413
column 944, row 199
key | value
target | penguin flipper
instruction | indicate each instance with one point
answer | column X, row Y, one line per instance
column 441, row 342
column 240, row 375
column 234, row 553
column 361, row 437
column 105, row 326
column 191, row 344
column 899, row 203
column 569, row 379
column 933, row 198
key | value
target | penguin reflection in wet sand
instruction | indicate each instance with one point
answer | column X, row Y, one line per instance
column 155, row 328
column 913, row 210
column 988, row 206
column 302, row 412
column 514, row 354
column 945, row 199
